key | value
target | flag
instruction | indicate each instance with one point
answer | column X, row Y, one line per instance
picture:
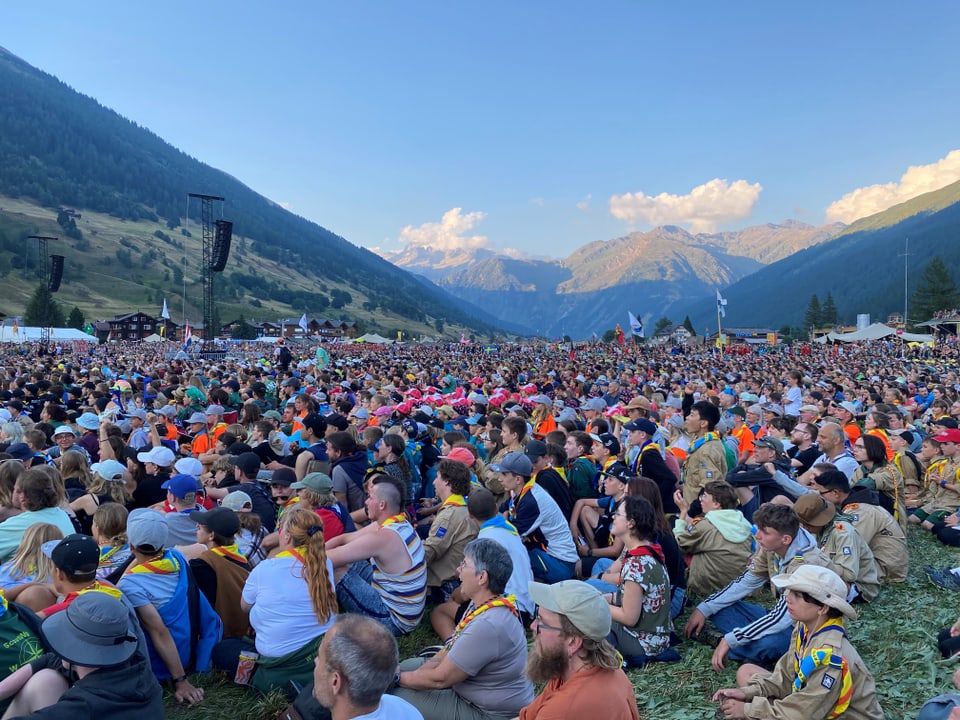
column 163, row 330
column 16, row 328
column 573, row 355
column 620, row 336
column 303, row 323
column 187, row 337
column 721, row 305
column 463, row 339
column 165, row 314
column 636, row 325
column 399, row 335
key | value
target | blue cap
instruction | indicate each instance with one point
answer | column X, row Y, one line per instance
column 181, row 485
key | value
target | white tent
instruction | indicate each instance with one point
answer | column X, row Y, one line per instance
column 876, row 331
column 32, row 334
column 374, row 338
column 153, row 338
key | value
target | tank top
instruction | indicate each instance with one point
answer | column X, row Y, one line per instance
column 404, row 594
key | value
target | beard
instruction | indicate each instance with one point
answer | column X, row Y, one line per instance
column 544, row 664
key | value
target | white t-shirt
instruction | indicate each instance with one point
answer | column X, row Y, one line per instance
column 793, row 401
column 392, row 708
column 522, row 576
column 282, row 613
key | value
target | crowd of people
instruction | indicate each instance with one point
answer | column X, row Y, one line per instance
column 284, row 517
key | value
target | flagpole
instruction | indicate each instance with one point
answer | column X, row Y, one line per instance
column 719, row 343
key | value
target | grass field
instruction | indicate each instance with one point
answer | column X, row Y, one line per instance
column 896, row 636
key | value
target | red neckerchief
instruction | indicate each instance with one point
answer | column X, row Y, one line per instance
column 654, row 551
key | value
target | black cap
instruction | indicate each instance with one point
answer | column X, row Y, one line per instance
column 248, row 462
column 338, row 421
column 535, row 449
column 221, row 520
column 284, row 476
column 76, row 554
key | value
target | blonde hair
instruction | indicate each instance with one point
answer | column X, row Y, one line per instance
column 115, row 489
column 111, row 521
column 74, row 464
column 306, row 530
column 29, row 558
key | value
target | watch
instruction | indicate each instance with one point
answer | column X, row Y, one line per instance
column 396, row 679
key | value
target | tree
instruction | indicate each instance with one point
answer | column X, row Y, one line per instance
column 688, row 324
column 609, row 335
column 813, row 318
column 828, row 313
column 661, row 324
column 75, row 319
column 42, row 310
column 243, row 330
column 936, row 291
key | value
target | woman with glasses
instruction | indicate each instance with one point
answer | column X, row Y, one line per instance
column 878, row 474
column 478, row 674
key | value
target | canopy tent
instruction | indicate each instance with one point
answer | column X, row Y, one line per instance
column 876, row 331
column 153, row 338
column 374, row 338
column 32, row 334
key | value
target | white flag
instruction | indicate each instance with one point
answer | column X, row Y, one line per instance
column 721, row 305
column 636, row 325
column 165, row 314
column 303, row 323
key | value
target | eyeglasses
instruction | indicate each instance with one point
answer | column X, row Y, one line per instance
column 541, row 625
column 824, row 493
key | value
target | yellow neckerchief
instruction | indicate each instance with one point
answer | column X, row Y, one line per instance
column 936, row 466
column 229, row 551
column 806, row 661
column 97, row 586
column 507, row 601
column 289, row 503
column 3, row 603
column 163, row 566
column 527, row 487
column 562, row 472
column 455, row 500
column 393, row 519
column 296, row 553
column 603, row 469
column 104, row 556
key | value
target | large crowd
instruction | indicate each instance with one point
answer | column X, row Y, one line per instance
column 284, row 513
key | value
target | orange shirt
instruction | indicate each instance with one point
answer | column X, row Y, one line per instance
column 745, row 438
column 853, row 432
column 882, row 434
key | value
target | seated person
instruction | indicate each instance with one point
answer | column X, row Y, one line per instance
column 182, row 499
column 719, row 543
column 840, row 542
column 39, row 497
column 109, row 529
column 538, row 520
column 450, row 530
column 93, row 671
column 291, row 601
column 356, row 663
column 580, row 671
column 380, row 569
column 751, row 632
column 592, row 517
column 156, row 584
column 479, row 671
column 824, row 677
column 316, row 493
column 640, row 607
column 221, row 571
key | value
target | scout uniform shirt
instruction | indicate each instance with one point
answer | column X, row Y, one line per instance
column 882, row 533
column 450, row 532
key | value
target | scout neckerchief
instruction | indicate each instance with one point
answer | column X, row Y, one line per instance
column 501, row 522
column 635, row 465
column 455, row 500
column 698, row 443
column 296, row 553
column 507, row 601
column 514, row 504
column 96, row 586
column 935, row 467
column 393, row 519
column 166, row 565
column 653, row 550
column 805, row 662
column 229, row 551
column 599, row 478
column 107, row 552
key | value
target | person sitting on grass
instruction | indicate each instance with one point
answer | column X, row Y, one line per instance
column 640, row 607
column 719, row 543
column 221, row 570
column 752, row 633
column 592, row 518
column 479, row 672
column 450, row 531
column 93, row 671
column 822, row 676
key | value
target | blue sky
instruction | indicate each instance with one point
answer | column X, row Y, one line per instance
column 549, row 125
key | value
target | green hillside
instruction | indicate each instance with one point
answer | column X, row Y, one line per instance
column 59, row 148
column 863, row 268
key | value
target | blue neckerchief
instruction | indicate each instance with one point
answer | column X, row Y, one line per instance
column 499, row 521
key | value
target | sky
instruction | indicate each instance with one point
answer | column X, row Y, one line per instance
column 532, row 127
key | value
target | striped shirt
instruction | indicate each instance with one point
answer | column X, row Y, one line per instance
column 404, row 593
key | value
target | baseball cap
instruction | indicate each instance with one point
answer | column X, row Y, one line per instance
column 641, row 425
column 809, row 408
column 338, row 421
column 771, row 442
column 608, row 441
column 181, row 485
column 108, row 469
column 75, row 554
column 20, row 451
column 147, row 529
column 738, row 411
column 214, row 410
column 248, row 462
column 849, row 407
column 317, row 482
column 160, row 455
column 595, row 404
column 460, row 455
column 273, row 415
column 582, row 604
column 197, row 418
column 541, row 400
column 139, row 413
column 284, row 476
column 535, row 449
column 316, row 423
column 189, row 466
column 620, row 472
column 237, row 501
column 950, row 435
column 516, row 463
column 221, row 520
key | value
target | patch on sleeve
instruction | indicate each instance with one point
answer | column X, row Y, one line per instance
column 828, row 682
column 846, row 550
column 441, row 532
column 709, row 475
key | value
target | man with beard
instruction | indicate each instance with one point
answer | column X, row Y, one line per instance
column 572, row 656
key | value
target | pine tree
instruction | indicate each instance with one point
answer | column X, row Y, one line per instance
column 936, row 291
column 813, row 318
column 661, row 324
column 244, row 330
column 75, row 319
column 42, row 310
column 828, row 315
column 688, row 324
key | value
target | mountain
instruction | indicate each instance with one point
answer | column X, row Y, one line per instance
column 863, row 267
column 59, row 148
column 592, row 289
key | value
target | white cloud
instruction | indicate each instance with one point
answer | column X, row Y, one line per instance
column 284, row 204
column 918, row 179
column 538, row 201
column 585, row 203
column 448, row 234
column 702, row 209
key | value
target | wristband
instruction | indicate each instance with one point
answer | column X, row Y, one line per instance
column 180, row 679
column 943, row 483
column 396, row 679
column 589, row 552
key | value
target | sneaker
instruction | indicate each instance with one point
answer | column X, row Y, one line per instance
column 944, row 579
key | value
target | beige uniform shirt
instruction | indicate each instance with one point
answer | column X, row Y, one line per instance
column 885, row 538
column 840, row 542
column 708, row 462
column 450, row 532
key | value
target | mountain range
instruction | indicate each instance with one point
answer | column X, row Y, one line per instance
column 647, row 273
